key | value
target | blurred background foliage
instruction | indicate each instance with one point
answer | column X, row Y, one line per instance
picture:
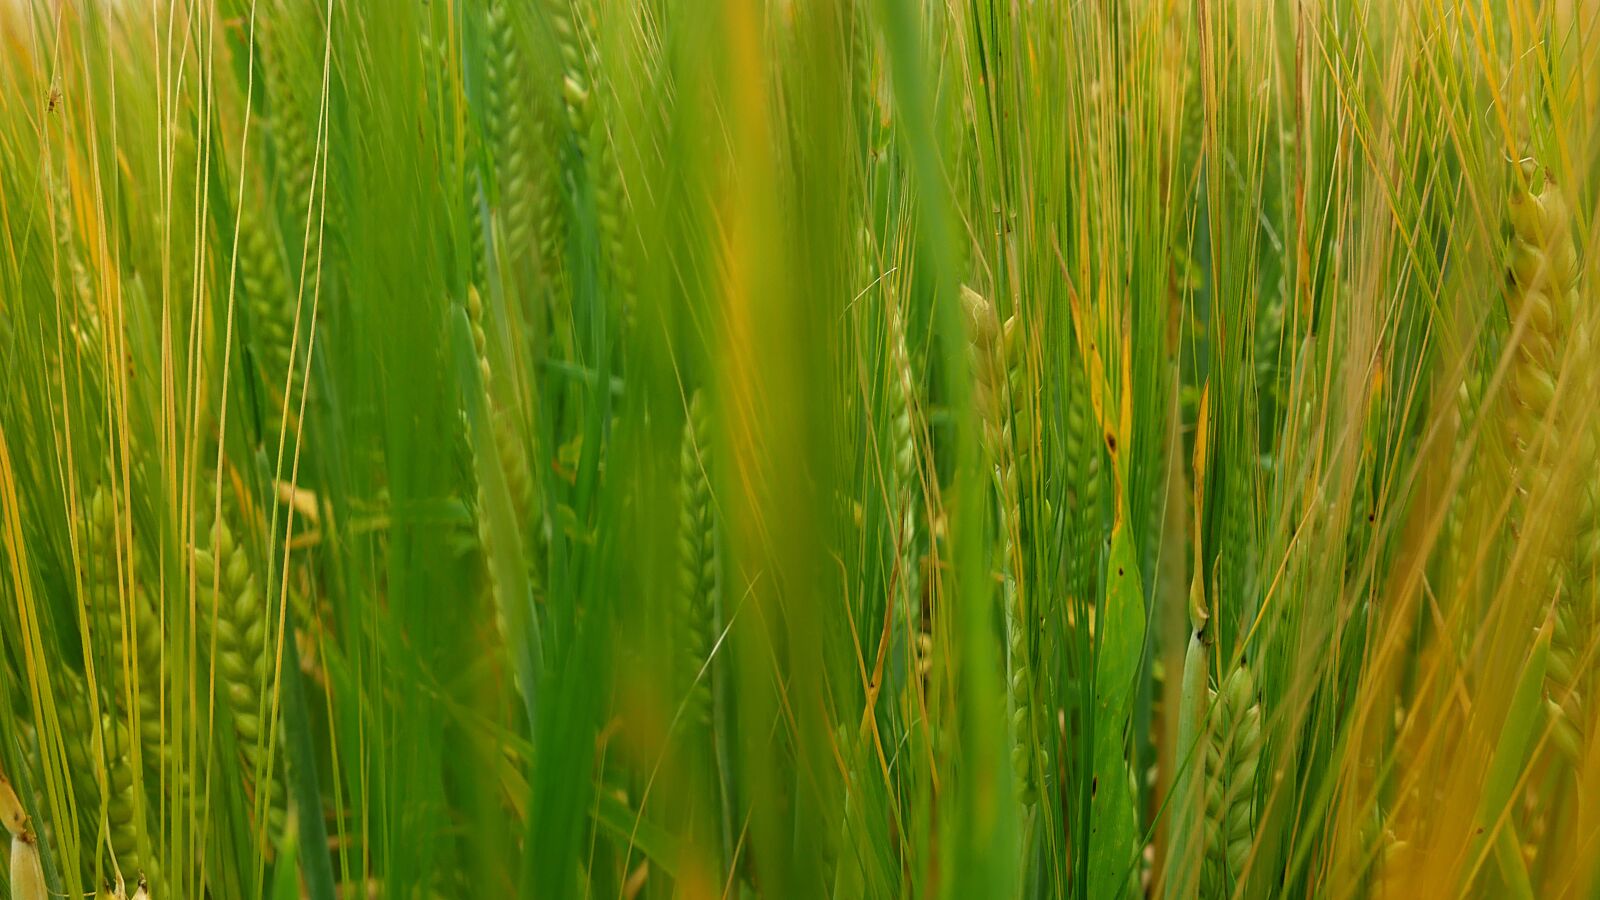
column 799, row 448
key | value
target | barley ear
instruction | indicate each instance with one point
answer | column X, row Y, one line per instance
column 1232, row 757
column 992, row 402
column 233, row 600
column 699, row 570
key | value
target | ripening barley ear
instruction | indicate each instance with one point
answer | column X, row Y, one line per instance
column 1232, row 756
column 231, row 601
column 1541, row 291
column 1572, row 672
column 992, row 403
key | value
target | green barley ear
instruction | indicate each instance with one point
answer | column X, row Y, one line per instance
column 83, row 771
column 506, row 124
column 273, row 304
column 106, row 574
column 1232, row 757
column 109, row 790
column 611, row 208
column 1083, row 451
column 503, row 452
column 232, row 601
column 509, row 447
column 518, row 136
column 513, row 455
column 905, row 491
column 699, row 573
column 582, row 90
column 297, row 168
column 992, row 403
column 125, row 799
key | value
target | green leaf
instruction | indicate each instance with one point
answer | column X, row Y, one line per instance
column 1113, row 823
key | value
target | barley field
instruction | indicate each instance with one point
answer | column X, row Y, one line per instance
column 767, row 449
